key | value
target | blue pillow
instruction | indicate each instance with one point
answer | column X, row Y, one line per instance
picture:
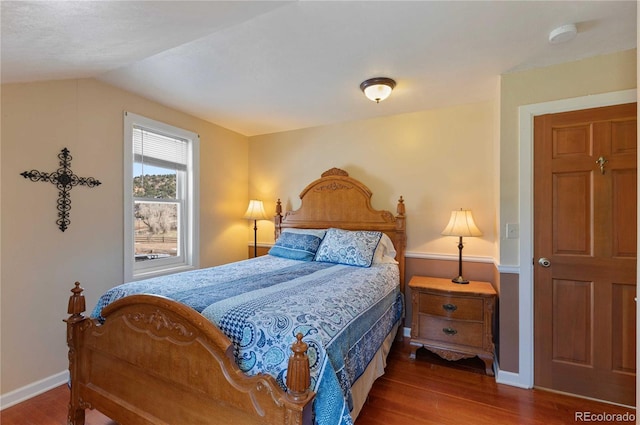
column 296, row 246
column 350, row 247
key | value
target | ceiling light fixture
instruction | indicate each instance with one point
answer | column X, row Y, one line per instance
column 562, row 34
column 378, row 88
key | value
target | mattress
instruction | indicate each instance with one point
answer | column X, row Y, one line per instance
column 345, row 313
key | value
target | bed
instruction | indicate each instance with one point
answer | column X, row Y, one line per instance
column 294, row 337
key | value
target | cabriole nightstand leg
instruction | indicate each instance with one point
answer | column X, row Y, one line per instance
column 488, row 364
column 414, row 348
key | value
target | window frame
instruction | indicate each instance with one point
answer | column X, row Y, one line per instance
column 188, row 197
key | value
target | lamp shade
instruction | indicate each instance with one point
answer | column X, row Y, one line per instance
column 377, row 89
column 461, row 224
column 255, row 211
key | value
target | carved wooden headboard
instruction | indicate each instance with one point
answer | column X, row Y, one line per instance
column 337, row 200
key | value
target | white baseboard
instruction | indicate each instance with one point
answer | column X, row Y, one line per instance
column 21, row 394
column 510, row 378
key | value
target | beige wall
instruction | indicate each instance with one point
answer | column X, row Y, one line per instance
column 39, row 262
column 438, row 160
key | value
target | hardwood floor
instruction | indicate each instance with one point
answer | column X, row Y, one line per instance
column 427, row 391
column 432, row 391
column 49, row 408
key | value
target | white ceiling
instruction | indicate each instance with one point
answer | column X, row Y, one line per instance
column 259, row 67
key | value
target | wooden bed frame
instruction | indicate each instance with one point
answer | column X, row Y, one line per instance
column 156, row 361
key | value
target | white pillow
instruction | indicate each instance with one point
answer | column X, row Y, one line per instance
column 385, row 252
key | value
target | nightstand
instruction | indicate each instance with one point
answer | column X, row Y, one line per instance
column 454, row 321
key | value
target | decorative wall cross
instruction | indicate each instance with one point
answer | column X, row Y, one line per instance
column 65, row 180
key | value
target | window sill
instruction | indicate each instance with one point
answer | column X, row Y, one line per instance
column 146, row 274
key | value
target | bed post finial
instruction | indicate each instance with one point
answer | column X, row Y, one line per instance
column 277, row 219
column 401, row 239
column 77, row 304
column 298, row 375
column 400, row 210
column 278, row 207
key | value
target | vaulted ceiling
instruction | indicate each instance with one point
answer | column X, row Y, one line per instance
column 258, row 67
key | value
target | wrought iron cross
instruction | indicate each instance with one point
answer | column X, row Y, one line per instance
column 65, row 180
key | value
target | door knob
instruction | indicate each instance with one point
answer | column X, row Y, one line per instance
column 544, row 262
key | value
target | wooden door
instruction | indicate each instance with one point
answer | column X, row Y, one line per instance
column 585, row 226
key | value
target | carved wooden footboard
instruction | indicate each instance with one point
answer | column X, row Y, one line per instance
column 156, row 361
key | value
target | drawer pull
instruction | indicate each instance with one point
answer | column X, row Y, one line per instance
column 449, row 307
column 449, row 331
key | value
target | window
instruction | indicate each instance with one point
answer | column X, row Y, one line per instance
column 161, row 198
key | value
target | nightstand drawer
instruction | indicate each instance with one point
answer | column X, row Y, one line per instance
column 451, row 331
column 454, row 307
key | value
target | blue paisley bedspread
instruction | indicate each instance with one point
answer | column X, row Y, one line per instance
column 344, row 313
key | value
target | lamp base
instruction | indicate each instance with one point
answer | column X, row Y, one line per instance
column 460, row 280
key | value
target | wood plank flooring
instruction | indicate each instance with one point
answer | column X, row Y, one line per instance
column 432, row 391
column 427, row 391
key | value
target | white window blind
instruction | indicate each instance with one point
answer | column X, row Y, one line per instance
column 153, row 148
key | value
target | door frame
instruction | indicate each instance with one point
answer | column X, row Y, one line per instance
column 526, row 113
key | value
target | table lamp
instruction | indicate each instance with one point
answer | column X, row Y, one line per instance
column 255, row 212
column 461, row 224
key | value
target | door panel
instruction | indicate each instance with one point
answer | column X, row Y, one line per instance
column 624, row 217
column 585, row 191
column 623, row 137
column 624, row 325
column 572, row 142
column 572, row 215
column 572, row 326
